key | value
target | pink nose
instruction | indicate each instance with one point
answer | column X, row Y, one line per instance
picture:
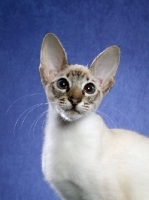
column 74, row 101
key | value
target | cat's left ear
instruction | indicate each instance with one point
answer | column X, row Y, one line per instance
column 104, row 67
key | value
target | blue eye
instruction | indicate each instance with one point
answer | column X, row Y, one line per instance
column 89, row 88
column 62, row 84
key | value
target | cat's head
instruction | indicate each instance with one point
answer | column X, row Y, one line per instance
column 74, row 90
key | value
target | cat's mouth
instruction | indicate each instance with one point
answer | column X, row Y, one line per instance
column 73, row 111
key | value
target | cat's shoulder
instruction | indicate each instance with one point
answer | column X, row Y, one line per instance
column 130, row 138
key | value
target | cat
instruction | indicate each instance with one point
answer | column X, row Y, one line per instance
column 82, row 159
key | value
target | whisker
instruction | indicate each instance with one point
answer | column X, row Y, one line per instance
column 27, row 110
column 36, row 106
column 43, row 123
column 42, row 114
column 20, row 99
column 33, row 126
column 20, row 117
column 121, row 114
column 107, row 118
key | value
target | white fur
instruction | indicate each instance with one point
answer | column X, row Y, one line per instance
column 84, row 160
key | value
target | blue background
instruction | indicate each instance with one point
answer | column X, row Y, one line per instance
column 85, row 28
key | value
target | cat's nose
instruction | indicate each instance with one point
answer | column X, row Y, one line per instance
column 75, row 95
column 74, row 101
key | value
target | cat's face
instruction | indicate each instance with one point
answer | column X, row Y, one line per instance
column 74, row 92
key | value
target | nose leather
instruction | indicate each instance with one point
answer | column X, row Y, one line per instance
column 75, row 95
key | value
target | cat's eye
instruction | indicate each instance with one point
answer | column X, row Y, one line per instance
column 89, row 88
column 62, row 84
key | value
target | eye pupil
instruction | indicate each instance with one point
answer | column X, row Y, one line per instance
column 62, row 83
column 89, row 88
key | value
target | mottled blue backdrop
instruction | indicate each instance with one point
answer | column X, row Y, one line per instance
column 85, row 28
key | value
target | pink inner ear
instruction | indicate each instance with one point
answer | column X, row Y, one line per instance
column 46, row 75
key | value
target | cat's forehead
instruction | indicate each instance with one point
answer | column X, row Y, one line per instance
column 78, row 72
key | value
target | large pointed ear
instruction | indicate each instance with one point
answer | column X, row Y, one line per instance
column 52, row 58
column 104, row 67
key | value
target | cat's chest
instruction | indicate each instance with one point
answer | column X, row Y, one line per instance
column 68, row 157
column 70, row 152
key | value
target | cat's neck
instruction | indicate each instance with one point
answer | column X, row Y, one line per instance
column 88, row 132
column 89, row 123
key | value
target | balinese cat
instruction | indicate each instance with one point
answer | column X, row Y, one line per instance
column 82, row 159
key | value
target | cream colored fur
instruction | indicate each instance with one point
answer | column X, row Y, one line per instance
column 82, row 159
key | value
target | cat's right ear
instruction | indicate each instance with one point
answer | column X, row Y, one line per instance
column 52, row 58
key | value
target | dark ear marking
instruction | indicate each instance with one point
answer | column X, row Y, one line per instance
column 108, row 87
column 43, row 77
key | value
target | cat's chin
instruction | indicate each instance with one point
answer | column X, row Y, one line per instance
column 71, row 115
